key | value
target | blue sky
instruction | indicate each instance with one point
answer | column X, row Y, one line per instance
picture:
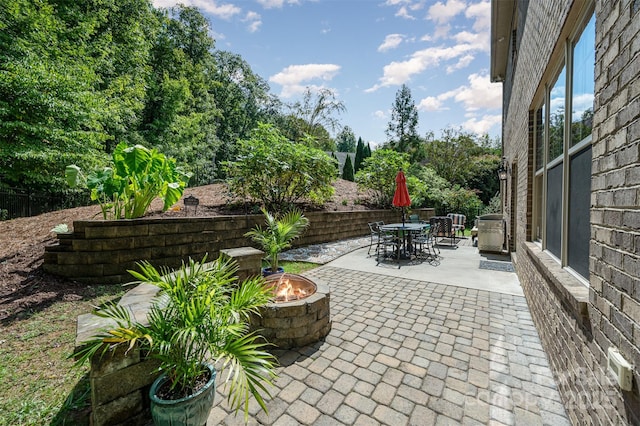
column 364, row 50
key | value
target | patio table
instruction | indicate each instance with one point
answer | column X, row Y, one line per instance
column 404, row 231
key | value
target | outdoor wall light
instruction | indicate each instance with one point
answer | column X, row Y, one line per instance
column 503, row 169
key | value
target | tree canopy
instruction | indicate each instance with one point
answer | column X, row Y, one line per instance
column 77, row 78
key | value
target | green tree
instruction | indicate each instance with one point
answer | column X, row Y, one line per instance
column 360, row 156
column 279, row 173
column 316, row 112
column 180, row 114
column 378, row 174
column 402, row 129
column 458, row 156
column 242, row 98
column 346, row 140
column 336, row 163
column 347, row 170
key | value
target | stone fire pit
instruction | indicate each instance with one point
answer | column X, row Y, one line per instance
column 296, row 320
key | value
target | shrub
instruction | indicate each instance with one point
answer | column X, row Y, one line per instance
column 279, row 173
column 378, row 174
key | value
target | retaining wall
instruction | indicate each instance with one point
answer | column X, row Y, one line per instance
column 101, row 252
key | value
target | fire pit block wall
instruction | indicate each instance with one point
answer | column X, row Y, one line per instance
column 295, row 324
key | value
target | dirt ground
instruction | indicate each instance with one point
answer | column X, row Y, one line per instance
column 24, row 286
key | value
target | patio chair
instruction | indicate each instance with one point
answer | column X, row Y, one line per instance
column 442, row 227
column 458, row 222
column 374, row 234
column 389, row 246
column 425, row 244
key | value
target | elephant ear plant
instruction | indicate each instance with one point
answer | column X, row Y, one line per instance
column 138, row 175
column 200, row 318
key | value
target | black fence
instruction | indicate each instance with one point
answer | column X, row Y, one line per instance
column 16, row 202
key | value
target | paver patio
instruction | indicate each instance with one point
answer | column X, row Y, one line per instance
column 407, row 351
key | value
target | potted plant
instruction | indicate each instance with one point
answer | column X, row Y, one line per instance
column 277, row 235
column 198, row 321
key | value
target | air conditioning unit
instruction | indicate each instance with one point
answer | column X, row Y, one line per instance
column 620, row 369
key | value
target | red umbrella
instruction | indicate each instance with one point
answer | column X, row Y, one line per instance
column 401, row 197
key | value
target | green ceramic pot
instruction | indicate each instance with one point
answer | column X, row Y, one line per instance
column 192, row 410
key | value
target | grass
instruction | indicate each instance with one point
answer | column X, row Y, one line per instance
column 297, row 267
column 39, row 383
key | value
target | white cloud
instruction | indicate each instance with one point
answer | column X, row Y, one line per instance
column 395, row 2
column 435, row 103
column 441, row 31
column 480, row 94
column 391, row 41
column 404, row 13
column 255, row 21
column 379, row 114
column 481, row 12
column 479, row 41
column 293, row 78
column 430, row 103
column 275, row 4
column 462, row 63
column 397, row 73
column 442, row 13
column 219, row 10
column 580, row 104
column 483, row 125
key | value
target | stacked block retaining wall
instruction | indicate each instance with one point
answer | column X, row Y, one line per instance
column 101, row 252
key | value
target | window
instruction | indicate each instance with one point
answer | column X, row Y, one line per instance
column 539, row 118
column 562, row 149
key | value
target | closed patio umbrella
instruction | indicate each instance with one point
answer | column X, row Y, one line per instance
column 401, row 197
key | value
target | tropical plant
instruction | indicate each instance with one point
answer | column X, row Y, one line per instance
column 200, row 317
column 137, row 177
column 278, row 233
column 279, row 173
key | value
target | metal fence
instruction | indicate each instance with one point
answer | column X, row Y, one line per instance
column 15, row 202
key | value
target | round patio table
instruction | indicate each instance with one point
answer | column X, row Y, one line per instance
column 404, row 231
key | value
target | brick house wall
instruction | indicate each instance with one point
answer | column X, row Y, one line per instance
column 577, row 322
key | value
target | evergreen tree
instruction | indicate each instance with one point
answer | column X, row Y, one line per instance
column 336, row 163
column 402, row 129
column 368, row 151
column 360, row 155
column 347, row 171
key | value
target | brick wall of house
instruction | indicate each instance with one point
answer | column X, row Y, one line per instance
column 578, row 324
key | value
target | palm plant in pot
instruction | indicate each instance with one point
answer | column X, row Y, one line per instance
column 197, row 323
column 277, row 235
